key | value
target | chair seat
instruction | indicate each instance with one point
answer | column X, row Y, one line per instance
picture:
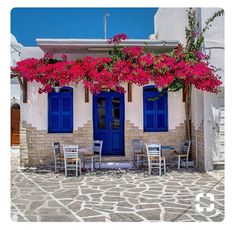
column 176, row 154
column 141, row 154
column 156, row 158
column 72, row 159
column 60, row 158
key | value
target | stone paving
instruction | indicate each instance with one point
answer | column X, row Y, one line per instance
column 114, row 195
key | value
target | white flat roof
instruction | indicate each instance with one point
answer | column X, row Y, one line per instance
column 101, row 45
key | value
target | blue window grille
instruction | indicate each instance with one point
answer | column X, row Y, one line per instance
column 155, row 110
column 60, row 111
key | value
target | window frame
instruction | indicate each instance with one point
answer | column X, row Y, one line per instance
column 59, row 95
column 153, row 90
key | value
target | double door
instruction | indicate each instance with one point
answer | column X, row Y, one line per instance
column 108, row 117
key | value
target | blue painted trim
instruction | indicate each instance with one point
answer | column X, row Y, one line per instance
column 60, row 113
column 108, row 134
column 155, row 111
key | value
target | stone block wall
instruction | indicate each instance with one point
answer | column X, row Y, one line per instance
column 199, row 141
column 36, row 145
column 172, row 137
column 24, row 160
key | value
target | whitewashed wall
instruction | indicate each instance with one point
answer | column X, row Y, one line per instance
column 15, row 57
column 35, row 112
column 214, row 46
column 170, row 24
column 134, row 109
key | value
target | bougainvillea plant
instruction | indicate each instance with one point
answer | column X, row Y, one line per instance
column 168, row 71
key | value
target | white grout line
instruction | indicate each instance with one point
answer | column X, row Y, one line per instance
column 18, row 212
column 54, row 198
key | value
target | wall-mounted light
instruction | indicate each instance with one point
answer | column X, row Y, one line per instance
column 56, row 88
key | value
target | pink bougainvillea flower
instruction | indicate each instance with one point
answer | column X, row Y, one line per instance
column 116, row 39
column 135, row 66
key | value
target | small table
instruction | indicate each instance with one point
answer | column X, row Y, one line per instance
column 167, row 147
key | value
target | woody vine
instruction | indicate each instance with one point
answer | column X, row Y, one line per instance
column 194, row 43
column 182, row 68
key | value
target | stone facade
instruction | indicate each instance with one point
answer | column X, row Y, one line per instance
column 199, row 160
column 24, row 158
column 172, row 137
column 36, row 147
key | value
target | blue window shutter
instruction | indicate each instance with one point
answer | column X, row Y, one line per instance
column 155, row 111
column 54, row 112
column 162, row 113
column 60, row 111
column 66, row 112
column 149, row 112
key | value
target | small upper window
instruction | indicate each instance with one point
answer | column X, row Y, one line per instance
column 155, row 110
column 60, row 111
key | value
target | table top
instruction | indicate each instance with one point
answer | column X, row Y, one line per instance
column 167, row 147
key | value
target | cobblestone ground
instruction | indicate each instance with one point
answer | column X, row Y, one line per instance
column 120, row 195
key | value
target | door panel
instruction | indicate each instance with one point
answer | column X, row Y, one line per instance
column 108, row 117
column 15, row 126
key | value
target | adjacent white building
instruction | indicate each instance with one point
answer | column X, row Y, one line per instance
column 207, row 111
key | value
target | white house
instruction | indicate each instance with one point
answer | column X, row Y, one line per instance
column 18, row 53
column 15, row 93
column 207, row 111
column 108, row 116
column 72, row 116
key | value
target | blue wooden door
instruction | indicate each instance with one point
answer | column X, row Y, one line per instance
column 108, row 117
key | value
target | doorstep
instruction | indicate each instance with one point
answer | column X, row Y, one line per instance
column 115, row 159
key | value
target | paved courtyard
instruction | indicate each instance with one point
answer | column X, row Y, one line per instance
column 114, row 195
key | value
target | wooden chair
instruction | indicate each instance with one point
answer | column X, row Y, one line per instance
column 139, row 155
column 58, row 157
column 155, row 159
column 97, row 150
column 72, row 161
column 183, row 153
column 94, row 154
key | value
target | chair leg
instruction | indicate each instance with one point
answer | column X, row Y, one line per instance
column 160, row 168
column 178, row 162
column 171, row 159
column 65, row 169
column 187, row 162
column 55, row 167
column 84, row 161
column 76, row 168
column 138, row 162
column 92, row 164
column 80, row 167
column 149, row 169
column 164, row 161
column 100, row 163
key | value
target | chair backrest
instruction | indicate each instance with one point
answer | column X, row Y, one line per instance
column 56, row 148
column 185, row 147
column 97, row 146
column 70, row 151
column 153, row 150
column 137, row 145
